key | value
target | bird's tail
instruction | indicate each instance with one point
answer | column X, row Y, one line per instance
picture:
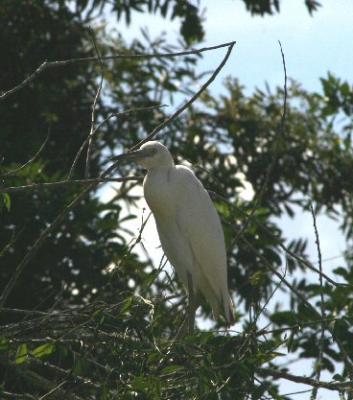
column 224, row 307
column 228, row 309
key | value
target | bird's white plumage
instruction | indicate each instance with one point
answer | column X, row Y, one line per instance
column 188, row 225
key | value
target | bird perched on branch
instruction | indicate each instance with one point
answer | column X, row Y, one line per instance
column 189, row 228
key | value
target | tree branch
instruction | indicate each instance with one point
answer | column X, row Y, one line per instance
column 56, row 64
column 14, row 171
column 189, row 102
column 274, row 150
column 339, row 386
column 95, row 131
column 322, row 307
column 51, row 185
column 93, row 114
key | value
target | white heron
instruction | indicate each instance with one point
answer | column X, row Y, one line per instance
column 189, row 228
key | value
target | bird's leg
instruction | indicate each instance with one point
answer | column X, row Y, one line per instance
column 192, row 305
column 187, row 326
column 182, row 331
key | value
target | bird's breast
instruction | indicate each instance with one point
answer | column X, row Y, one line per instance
column 159, row 191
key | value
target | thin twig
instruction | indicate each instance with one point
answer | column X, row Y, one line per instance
column 190, row 101
column 280, row 133
column 26, row 81
column 117, row 114
column 66, row 374
column 93, row 114
column 306, row 381
column 300, row 326
column 60, row 385
column 322, row 306
column 271, row 295
column 288, row 394
column 55, row 64
column 14, row 238
column 14, row 171
column 15, row 396
column 284, row 114
column 51, row 185
column 134, row 241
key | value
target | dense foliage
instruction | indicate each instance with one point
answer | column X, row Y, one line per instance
column 87, row 318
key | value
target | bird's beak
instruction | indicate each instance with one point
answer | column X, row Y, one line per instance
column 132, row 156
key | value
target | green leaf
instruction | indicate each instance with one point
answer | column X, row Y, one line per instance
column 338, row 377
column 341, row 271
column 5, row 201
column 139, row 383
column 258, row 278
column 126, row 306
column 21, row 354
column 43, row 350
column 80, row 367
column 4, row 344
column 284, row 318
column 291, row 343
column 172, row 368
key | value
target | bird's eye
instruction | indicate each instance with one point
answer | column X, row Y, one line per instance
column 151, row 152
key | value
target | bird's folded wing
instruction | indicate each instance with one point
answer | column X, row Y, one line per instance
column 200, row 225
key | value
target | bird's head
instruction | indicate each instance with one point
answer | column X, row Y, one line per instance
column 150, row 155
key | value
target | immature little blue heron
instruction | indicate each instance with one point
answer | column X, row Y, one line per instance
column 189, row 228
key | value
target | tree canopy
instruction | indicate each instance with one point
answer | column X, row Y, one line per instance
column 85, row 312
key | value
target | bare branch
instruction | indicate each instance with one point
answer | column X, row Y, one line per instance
column 280, row 132
column 93, row 114
column 24, row 83
column 284, row 113
column 14, row 171
column 53, row 390
column 189, row 102
column 339, row 386
column 52, row 185
column 14, row 238
column 134, row 241
column 266, row 331
column 322, row 306
column 15, row 396
column 56, row 64
column 110, row 116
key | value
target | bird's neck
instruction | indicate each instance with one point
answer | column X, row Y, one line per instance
column 161, row 166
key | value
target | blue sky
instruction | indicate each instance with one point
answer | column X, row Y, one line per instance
column 312, row 45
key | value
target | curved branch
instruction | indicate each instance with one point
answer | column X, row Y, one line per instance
column 189, row 102
column 55, row 64
column 50, row 185
column 339, row 386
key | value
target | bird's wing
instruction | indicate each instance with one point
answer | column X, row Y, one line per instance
column 199, row 223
